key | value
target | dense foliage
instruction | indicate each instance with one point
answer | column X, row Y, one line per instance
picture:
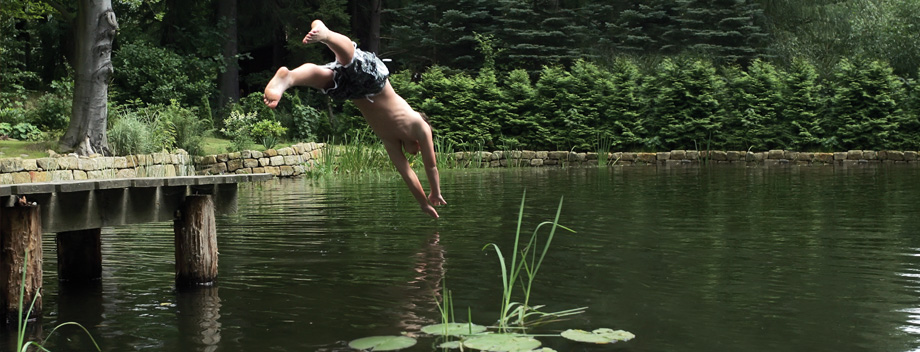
column 540, row 74
column 683, row 103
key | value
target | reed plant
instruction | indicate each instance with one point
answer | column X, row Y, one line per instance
column 444, row 151
column 526, row 261
column 604, row 145
column 357, row 154
column 21, row 344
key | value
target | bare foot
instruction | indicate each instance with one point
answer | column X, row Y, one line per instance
column 276, row 87
column 319, row 33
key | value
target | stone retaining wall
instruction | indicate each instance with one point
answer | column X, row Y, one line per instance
column 284, row 162
column 680, row 157
column 70, row 167
column 297, row 159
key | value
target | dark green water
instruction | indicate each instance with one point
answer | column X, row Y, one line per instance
column 688, row 259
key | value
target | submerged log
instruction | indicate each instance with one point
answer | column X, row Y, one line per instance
column 20, row 231
column 196, row 242
column 79, row 255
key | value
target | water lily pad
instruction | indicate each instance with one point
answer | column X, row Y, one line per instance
column 501, row 343
column 453, row 329
column 450, row 344
column 603, row 335
column 382, row 343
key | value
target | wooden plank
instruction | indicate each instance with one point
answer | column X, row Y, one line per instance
column 32, row 188
column 146, row 182
column 75, row 186
column 260, row 177
column 114, row 183
column 183, row 181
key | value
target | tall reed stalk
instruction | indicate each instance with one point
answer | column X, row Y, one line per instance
column 604, row 144
column 527, row 261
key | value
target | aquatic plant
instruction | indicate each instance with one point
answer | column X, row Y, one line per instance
column 514, row 317
column 356, row 155
column 21, row 344
column 604, row 144
column 530, row 267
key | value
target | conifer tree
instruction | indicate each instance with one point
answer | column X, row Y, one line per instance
column 804, row 107
column 864, row 104
column 683, row 101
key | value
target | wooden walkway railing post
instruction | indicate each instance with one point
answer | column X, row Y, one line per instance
column 20, row 231
column 196, row 242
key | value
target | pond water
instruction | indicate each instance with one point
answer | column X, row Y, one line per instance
column 688, row 259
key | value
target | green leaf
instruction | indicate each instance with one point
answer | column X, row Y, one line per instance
column 450, row 344
column 501, row 343
column 382, row 343
column 601, row 336
column 453, row 329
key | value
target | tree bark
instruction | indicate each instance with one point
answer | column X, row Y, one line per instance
column 373, row 32
column 365, row 23
column 96, row 26
column 20, row 231
column 229, row 79
column 196, row 242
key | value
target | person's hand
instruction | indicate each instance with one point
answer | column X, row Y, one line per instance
column 428, row 209
column 436, row 199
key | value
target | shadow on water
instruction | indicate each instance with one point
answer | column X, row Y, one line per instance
column 690, row 259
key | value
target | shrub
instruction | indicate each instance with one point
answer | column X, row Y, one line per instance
column 237, row 127
column 52, row 110
column 130, row 135
column 25, row 131
column 267, row 132
column 157, row 75
column 12, row 115
column 189, row 128
column 307, row 122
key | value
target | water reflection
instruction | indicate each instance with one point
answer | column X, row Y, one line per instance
column 198, row 313
column 694, row 259
column 424, row 288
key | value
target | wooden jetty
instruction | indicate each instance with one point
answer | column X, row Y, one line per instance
column 76, row 211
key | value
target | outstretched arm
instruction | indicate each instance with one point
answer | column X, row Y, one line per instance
column 426, row 146
column 394, row 150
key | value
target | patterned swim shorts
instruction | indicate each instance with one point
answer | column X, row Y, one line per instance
column 364, row 77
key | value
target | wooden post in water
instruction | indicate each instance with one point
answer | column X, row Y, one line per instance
column 196, row 242
column 79, row 256
column 20, row 231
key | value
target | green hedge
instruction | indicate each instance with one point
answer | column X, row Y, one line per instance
column 682, row 103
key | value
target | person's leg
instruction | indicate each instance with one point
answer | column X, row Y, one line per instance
column 307, row 75
column 339, row 44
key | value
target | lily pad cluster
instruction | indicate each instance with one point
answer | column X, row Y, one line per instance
column 601, row 336
column 382, row 343
column 476, row 337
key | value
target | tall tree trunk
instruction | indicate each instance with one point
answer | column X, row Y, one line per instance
column 230, row 77
column 95, row 31
column 373, row 31
column 365, row 23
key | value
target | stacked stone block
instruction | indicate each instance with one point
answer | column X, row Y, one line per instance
column 284, row 162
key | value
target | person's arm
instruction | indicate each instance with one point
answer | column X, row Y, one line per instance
column 426, row 148
column 394, row 150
